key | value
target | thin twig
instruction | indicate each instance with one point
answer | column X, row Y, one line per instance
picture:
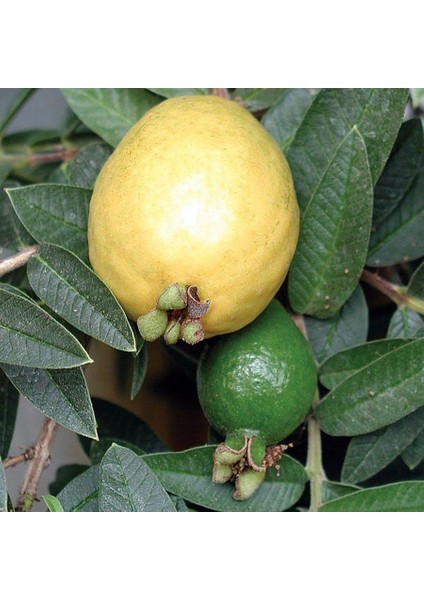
column 17, row 260
column 37, row 465
column 382, row 285
column 12, row 461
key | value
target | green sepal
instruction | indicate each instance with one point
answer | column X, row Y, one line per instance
column 247, row 482
column 172, row 332
column 221, row 473
column 173, row 298
column 152, row 325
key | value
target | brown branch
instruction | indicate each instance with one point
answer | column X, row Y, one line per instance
column 37, row 465
column 221, row 92
column 382, row 285
column 17, row 260
column 12, row 461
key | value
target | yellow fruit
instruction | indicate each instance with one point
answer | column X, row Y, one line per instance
column 197, row 193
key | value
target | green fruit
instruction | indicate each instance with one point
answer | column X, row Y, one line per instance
column 256, row 387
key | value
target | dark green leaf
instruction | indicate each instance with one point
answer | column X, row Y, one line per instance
column 184, row 357
column 348, row 328
column 171, row 92
column 118, row 423
column 331, row 490
column 369, row 454
column 376, row 112
column 54, row 214
column 377, row 395
column 11, row 102
column 52, row 503
column 285, row 118
column 30, row 337
column 414, row 454
column 342, row 365
column 109, row 112
column 13, row 235
column 61, row 395
column 9, row 398
column 81, row 494
column 128, row 485
column 416, row 284
column 334, row 233
column 400, row 170
column 140, row 368
column 3, row 489
column 5, row 169
column 399, row 238
column 77, row 294
column 406, row 496
column 99, row 449
column 88, row 163
column 60, row 174
column 189, row 474
column 405, row 324
column 256, row 99
column 64, row 475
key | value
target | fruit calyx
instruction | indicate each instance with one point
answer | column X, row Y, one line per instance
column 244, row 460
column 177, row 315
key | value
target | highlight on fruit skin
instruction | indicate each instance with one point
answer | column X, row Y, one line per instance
column 196, row 196
column 255, row 388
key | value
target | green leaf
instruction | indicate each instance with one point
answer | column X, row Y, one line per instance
column 188, row 474
column 348, row 328
column 405, row 324
column 400, row 170
column 10, row 104
column 376, row 112
column 52, row 503
column 128, row 485
column 5, row 169
column 81, row 494
column 416, row 283
column 139, row 373
column 99, row 449
column 77, row 294
column 334, row 233
column 9, row 398
column 60, row 174
column 3, row 489
column 117, row 423
column 62, row 395
column 172, row 92
column 30, row 337
column 405, row 496
column 377, row 395
column 54, row 214
column 413, row 455
column 330, row 490
column 256, row 99
column 64, row 475
column 109, row 112
column 342, row 365
column 285, row 118
column 88, row 163
column 13, row 235
column 399, row 237
column 368, row 454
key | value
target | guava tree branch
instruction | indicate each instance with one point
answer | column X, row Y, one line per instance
column 12, row 461
column 53, row 153
column 314, row 466
column 222, row 92
column 17, row 260
column 37, row 465
column 396, row 293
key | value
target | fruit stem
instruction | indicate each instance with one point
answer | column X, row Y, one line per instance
column 314, row 467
